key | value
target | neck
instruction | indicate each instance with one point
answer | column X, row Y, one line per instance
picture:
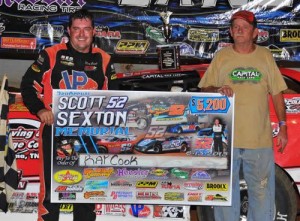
column 244, row 48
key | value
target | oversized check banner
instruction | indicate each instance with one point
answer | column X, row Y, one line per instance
column 141, row 147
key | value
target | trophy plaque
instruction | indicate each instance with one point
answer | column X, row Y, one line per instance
column 168, row 54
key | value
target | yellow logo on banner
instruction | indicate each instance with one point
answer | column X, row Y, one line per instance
column 67, row 177
column 290, row 35
column 146, row 184
column 216, row 187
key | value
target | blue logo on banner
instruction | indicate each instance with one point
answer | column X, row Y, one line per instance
column 136, row 208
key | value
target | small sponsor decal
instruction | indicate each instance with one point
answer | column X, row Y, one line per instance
column 97, row 172
column 113, row 76
column 18, row 195
column 96, row 184
column 132, row 46
column 72, row 188
column 200, row 175
column 94, row 194
column 67, row 177
column 203, row 35
column 174, row 196
column 155, row 34
column 67, row 60
column 66, row 208
column 289, row 35
column 121, row 183
column 159, row 172
column 223, row 45
column 178, row 173
column 278, row 52
column 130, row 173
column 18, row 43
column 22, row 206
column 67, row 196
column 193, row 185
column 275, row 129
column 35, row 68
column 31, row 196
column 170, row 185
column 121, row 195
column 139, row 210
column 110, row 209
column 104, row 32
column 263, row 36
column 216, row 187
column 166, row 211
column 145, row 195
column 292, row 105
column 146, row 184
column 194, row 197
column 90, row 68
column 239, row 75
column 217, row 197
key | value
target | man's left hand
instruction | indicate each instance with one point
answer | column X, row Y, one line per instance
column 282, row 139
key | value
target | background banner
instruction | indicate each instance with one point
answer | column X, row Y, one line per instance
column 128, row 28
column 141, row 147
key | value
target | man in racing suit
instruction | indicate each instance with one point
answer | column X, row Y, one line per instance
column 73, row 65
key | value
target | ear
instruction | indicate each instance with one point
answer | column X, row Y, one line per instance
column 230, row 31
column 255, row 33
column 68, row 29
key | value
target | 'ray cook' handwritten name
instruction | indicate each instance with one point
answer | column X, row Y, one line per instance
column 107, row 160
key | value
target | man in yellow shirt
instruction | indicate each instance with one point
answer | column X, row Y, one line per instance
column 250, row 73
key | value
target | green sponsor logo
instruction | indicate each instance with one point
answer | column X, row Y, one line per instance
column 245, row 75
column 155, row 34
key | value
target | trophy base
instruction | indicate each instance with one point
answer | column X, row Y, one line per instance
column 168, row 56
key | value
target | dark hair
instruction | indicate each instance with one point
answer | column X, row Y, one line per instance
column 81, row 14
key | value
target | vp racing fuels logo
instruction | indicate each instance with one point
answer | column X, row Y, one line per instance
column 242, row 75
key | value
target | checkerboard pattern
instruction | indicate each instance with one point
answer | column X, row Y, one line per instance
column 8, row 170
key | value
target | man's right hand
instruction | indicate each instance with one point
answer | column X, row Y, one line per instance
column 46, row 116
column 225, row 90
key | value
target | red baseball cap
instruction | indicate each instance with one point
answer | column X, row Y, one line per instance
column 245, row 15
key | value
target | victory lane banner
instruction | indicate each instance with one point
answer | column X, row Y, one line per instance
column 141, row 147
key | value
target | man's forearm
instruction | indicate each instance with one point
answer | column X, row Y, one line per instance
column 210, row 89
column 279, row 106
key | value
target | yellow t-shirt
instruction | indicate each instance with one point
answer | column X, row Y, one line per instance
column 252, row 77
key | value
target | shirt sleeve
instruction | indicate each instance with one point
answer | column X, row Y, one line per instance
column 32, row 85
column 110, row 71
column 210, row 77
column 276, row 81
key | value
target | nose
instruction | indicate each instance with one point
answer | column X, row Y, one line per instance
column 81, row 32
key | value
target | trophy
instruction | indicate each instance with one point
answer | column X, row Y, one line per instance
column 168, row 54
column 167, row 28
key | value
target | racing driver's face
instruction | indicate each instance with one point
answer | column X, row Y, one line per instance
column 81, row 34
